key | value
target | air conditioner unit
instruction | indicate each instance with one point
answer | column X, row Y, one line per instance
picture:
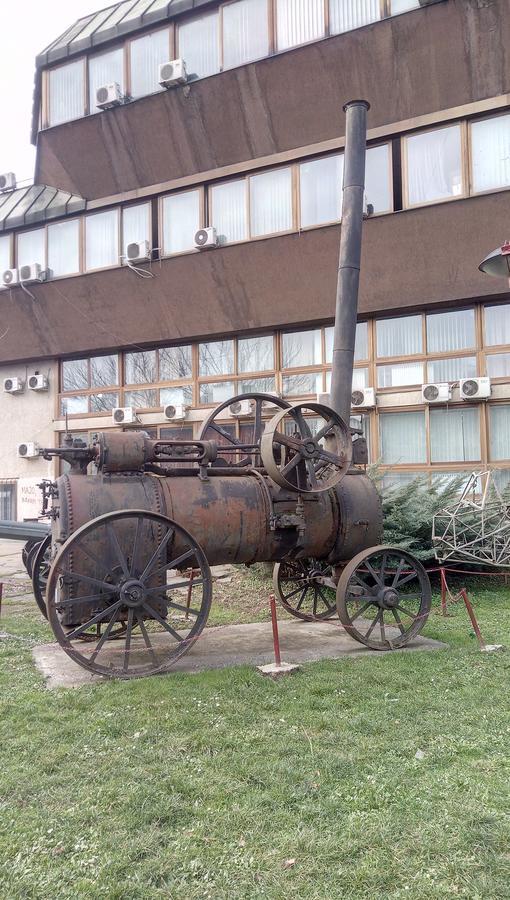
column 138, row 252
column 364, row 397
column 475, row 388
column 29, row 450
column 38, row 383
column 7, row 181
column 14, row 385
column 206, row 239
column 172, row 73
column 124, row 415
column 31, row 273
column 436, row 393
column 241, row 408
column 175, row 412
column 109, row 95
column 10, row 277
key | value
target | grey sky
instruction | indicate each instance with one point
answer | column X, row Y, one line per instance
column 32, row 25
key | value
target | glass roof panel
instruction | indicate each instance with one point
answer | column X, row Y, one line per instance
column 137, row 10
column 157, row 4
column 36, row 203
column 11, row 202
column 17, row 216
column 117, row 14
column 37, row 211
column 71, row 34
column 93, row 25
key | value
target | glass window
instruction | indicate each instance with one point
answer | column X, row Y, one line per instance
column 359, row 379
column 396, row 480
column 177, row 396
column 299, row 385
column 321, row 190
column 497, row 325
column 498, row 365
column 245, row 32
column 102, row 240
column 451, row 369
column 104, row 371
column 501, row 478
column 360, row 346
column 399, row 374
column 255, row 354
column 228, row 210
column 434, row 165
column 490, row 150
column 135, row 225
column 271, row 202
column 400, row 6
column 344, row 15
column 31, row 248
column 299, row 21
column 175, row 363
column 257, row 385
column 301, row 348
column 454, row 434
column 103, row 402
column 140, row 368
column 451, row 331
column 199, row 45
column 105, row 68
column 499, row 424
column 216, row 358
column 146, row 399
column 72, row 406
column 5, row 252
column 8, row 501
column 399, row 337
column 75, row 374
column 64, row 247
column 216, row 392
column 403, row 437
column 377, row 178
column 177, row 433
column 67, row 92
column 181, row 220
column 147, row 54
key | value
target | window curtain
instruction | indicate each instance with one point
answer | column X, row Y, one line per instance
column 105, row 68
column 498, row 365
column 66, row 93
column 451, row 331
column 434, row 165
column 102, row 240
column 5, row 252
column 400, row 6
column 299, row 21
column 399, row 337
column 344, row 15
column 454, row 434
column 377, row 178
column 7, row 501
column 245, row 32
column 490, row 144
column 321, row 190
column 399, row 375
column 64, row 247
column 499, row 424
column 403, row 438
column 497, row 325
column 199, row 45
column 271, row 202
column 31, row 248
column 229, row 210
column 452, row 369
column 147, row 54
column 181, row 220
column 135, row 225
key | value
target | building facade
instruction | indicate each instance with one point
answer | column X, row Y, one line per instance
column 251, row 144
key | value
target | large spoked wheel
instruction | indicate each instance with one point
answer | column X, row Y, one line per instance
column 128, row 594
column 40, row 570
column 262, row 409
column 305, row 588
column 384, row 598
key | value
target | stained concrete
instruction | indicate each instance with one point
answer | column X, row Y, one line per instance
column 232, row 645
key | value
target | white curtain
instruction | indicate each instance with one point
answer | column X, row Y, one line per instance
column 497, row 325
column 256, row 354
column 451, row 369
column 321, row 190
column 177, row 396
column 400, row 6
column 399, row 337
column 31, row 248
column 181, row 220
column 66, row 93
column 271, row 202
column 498, row 365
column 245, row 32
column 377, row 178
column 228, row 212
column 64, row 247
column 105, row 68
column 135, row 225
column 403, row 437
column 102, row 240
column 199, row 45
column 216, row 392
column 301, row 348
column 400, row 374
column 451, row 331
column 499, row 425
column 454, row 434
column 434, row 165
column 147, row 54
column 345, row 15
column 5, row 252
column 490, row 147
column 299, row 21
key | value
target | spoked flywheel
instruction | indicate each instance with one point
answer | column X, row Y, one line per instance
column 262, row 409
column 384, row 598
column 305, row 588
column 128, row 594
column 41, row 563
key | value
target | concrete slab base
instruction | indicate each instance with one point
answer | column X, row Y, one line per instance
column 231, row 645
column 274, row 671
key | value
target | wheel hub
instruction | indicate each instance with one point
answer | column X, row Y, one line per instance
column 132, row 593
column 387, row 598
column 308, row 449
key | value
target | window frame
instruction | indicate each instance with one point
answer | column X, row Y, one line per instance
column 464, row 165
column 150, row 229
column 170, row 27
column 470, row 122
column 46, row 92
column 161, row 219
column 117, row 209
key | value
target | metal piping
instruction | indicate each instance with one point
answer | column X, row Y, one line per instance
column 346, row 311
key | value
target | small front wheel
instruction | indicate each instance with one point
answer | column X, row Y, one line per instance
column 305, row 588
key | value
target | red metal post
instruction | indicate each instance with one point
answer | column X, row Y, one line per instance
column 274, row 622
column 473, row 618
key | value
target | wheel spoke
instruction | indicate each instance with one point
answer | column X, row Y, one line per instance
column 173, row 564
column 361, row 611
column 399, row 571
column 121, row 559
column 104, row 585
column 406, row 579
column 231, row 438
column 127, row 646
column 106, row 633
column 398, row 621
column 330, row 457
column 314, row 605
column 97, row 618
column 373, row 624
column 406, row 612
column 301, row 599
column 373, row 573
column 172, row 587
column 324, row 430
column 303, row 425
column 63, row 604
column 184, row 609
column 159, row 549
column 293, row 593
column 381, row 623
column 324, row 599
column 257, row 430
column 292, row 464
column 155, row 615
column 146, row 638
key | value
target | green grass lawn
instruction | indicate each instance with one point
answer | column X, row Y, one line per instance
column 227, row 785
